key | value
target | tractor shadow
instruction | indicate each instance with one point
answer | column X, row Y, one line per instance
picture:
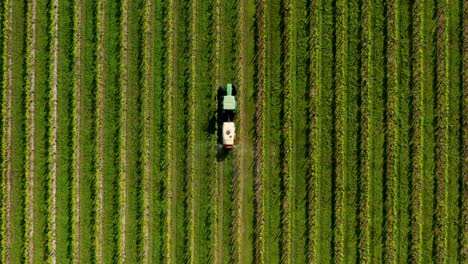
column 221, row 152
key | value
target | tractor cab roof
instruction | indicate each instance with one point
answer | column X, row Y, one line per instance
column 229, row 101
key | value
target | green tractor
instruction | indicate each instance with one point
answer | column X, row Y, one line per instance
column 229, row 109
column 229, row 100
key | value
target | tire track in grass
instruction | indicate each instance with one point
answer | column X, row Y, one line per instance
column 123, row 133
column 327, row 139
column 288, row 150
column 60, row 97
column 77, row 49
column 219, row 181
column 376, row 181
column 314, row 81
column 301, row 116
column 365, row 131
column 455, row 114
column 403, row 199
column 192, row 140
column 442, row 86
column 355, row 146
column 430, row 126
column 181, row 124
column 391, row 124
column 36, row 99
column 229, row 166
column 242, row 170
column 148, row 82
column 30, row 130
column 417, row 133
column 205, row 138
column 170, row 247
column 6, row 134
column 351, row 145
column 134, row 132
column 53, row 119
column 83, row 134
column 100, row 95
column 273, row 136
column 261, row 39
column 340, row 152
column 158, row 113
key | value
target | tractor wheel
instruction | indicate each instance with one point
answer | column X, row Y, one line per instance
column 234, row 90
column 222, row 91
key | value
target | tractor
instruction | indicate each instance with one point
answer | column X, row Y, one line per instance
column 228, row 112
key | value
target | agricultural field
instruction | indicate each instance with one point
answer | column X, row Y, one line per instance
column 351, row 145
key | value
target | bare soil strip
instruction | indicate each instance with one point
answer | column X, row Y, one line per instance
column 147, row 129
column 123, row 127
column 31, row 129
column 77, row 131
column 100, row 131
column 7, row 149
column 193, row 172
column 53, row 169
